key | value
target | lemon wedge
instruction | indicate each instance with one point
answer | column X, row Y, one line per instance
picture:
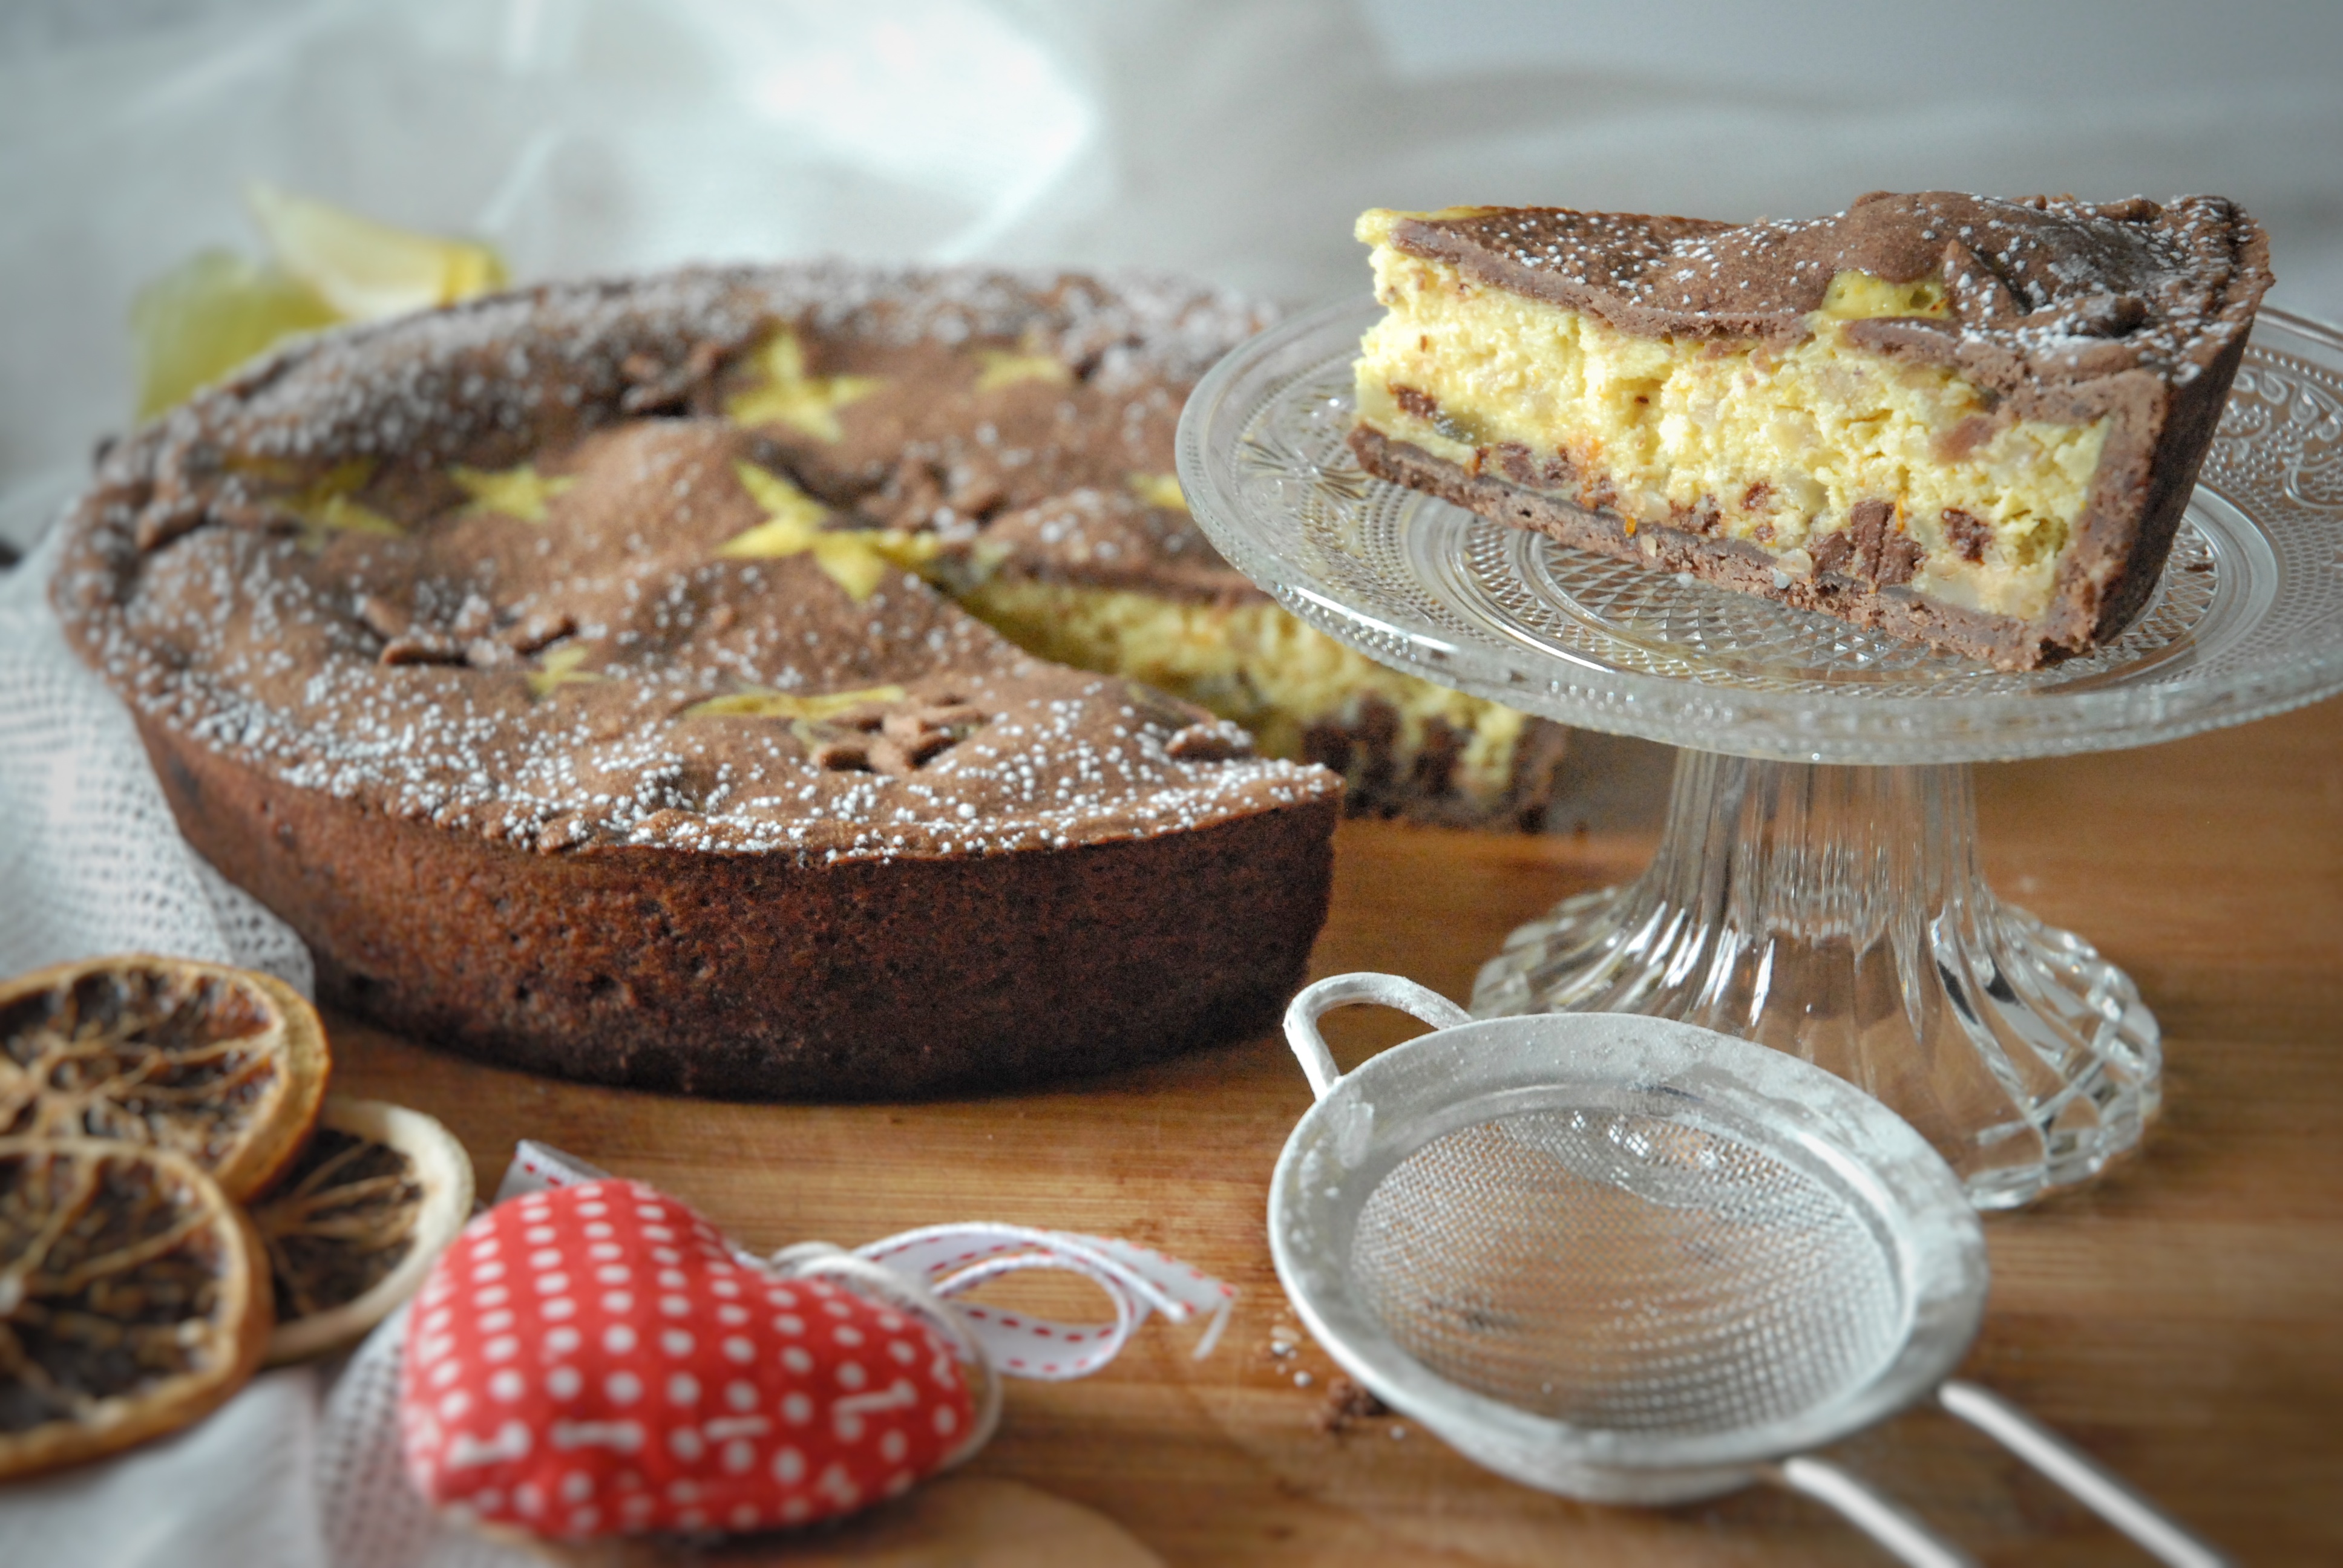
column 208, row 315
column 367, row 270
column 216, row 310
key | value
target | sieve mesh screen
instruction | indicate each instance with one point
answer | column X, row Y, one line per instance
column 1621, row 1271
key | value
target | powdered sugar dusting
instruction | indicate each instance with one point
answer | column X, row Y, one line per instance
column 2043, row 287
column 602, row 675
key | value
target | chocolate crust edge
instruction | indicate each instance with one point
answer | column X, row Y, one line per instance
column 2002, row 641
column 2178, row 443
column 751, row 977
column 1990, row 350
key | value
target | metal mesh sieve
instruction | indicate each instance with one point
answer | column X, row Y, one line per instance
column 1512, row 1259
column 1629, row 1260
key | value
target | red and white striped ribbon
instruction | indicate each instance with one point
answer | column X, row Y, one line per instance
column 949, row 1261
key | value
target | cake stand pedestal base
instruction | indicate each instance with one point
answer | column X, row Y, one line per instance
column 1840, row 914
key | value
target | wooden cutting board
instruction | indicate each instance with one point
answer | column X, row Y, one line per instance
column 2182, row 1318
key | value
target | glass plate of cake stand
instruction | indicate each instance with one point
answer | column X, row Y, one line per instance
column 1817, row 885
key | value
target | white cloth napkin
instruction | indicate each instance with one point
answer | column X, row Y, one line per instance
column 90, row 860
column 237, row 1490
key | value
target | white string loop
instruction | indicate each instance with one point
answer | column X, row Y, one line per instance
column 812, row 1259
column 921, row 1271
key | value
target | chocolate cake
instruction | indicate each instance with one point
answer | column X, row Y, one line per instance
column 1958, row 420
column 560, row 665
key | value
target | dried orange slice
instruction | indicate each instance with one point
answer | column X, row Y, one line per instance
column 133, row 1298
column 354, row 1226
column 222, row 1065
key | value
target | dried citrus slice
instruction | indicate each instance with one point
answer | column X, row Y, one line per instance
column 365, row 269
column 222, row 1065
column 133, row 1298
column 353, row 1226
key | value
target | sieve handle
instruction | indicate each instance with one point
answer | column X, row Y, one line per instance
column 2097, row 1489
column 1303, row 1014
column 1885, row 1522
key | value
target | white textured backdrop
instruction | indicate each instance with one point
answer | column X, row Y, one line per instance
column 1232, row 138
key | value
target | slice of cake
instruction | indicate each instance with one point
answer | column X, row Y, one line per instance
column 1963, row 420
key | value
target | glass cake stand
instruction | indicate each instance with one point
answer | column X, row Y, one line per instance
column 1817, row 885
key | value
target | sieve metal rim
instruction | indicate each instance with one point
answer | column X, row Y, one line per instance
column 1373, row 1117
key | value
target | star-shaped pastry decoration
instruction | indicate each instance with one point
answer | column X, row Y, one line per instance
column 856, row 559
column 559, row 667
column 1005, row 368
column 791, row 516
column 324, row 507
column 787, row 396
column 1158, row 490
column 521, row 492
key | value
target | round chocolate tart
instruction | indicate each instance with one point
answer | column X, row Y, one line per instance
column 571, row 669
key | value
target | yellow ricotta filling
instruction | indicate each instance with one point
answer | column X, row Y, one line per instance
column 1773, row 445
column 1253, row 663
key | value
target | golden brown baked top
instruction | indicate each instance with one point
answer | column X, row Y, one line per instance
column 631, row 563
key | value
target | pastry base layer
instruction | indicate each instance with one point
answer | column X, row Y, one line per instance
column 2001, row 641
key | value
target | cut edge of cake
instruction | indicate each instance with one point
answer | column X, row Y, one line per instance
column 1173, row 616
column 1970, row 422
column 509, row 815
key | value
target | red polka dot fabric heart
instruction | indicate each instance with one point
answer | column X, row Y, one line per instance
column 594, row 1359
